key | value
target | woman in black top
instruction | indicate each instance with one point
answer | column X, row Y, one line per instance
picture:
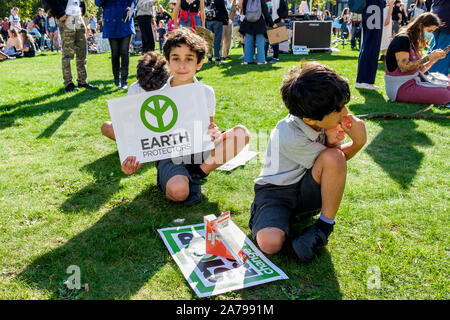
column 189, row 13
column 162, row 14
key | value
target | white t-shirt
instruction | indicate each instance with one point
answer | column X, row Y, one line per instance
column 135, row 88
column 73, row 8
column 210, row 96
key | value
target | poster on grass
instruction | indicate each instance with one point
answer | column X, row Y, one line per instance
column 210, row 275
column 162, row 124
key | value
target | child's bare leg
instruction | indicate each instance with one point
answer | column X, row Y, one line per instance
column 330, row 171
column 232, row 142
column 270, row 240
column 177, row 188
column 108, row 130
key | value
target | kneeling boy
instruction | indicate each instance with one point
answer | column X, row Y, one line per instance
column 305, row 167
column 181, row 180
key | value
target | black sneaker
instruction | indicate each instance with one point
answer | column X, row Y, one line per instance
column 117, row 82
column 308, row 244
column 88, row 86
column 195, row 190
column 71, row 87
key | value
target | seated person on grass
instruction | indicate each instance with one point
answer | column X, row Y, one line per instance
column 152, row 74
column 305, row 167
column 180, row 179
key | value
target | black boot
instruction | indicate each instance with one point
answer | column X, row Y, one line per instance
column 308, row 244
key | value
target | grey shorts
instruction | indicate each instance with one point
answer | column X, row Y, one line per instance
column 277, row 206
column 169, row 168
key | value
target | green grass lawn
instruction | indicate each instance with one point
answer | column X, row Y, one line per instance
column 64, row 200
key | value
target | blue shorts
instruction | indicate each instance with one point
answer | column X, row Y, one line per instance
column 277, row 206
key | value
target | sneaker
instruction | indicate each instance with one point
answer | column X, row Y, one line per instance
column 117, row 82
column 245, row 62
column 71, row 87
column 226, row 58
column 265, row 62
column 88, row 86
column 274, row 60
column 210, row 59
column 195, row 190
column 308, row 244
column 365, row 86
column 217, row 61
column 124, row 85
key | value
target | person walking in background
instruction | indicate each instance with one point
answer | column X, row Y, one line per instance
column 69, row 15
column 278, row 11
column 161, row 14
column 144, row 17
column 189, row 13
column 253, row 27
column 441, row 37
column 336, row 26
column 92, row 24
column 118, row 28
column 39, row 22
column 216, row 16
column 355, row 19
column 14, row 19
column 396, row 17
column 387, row 28
column 370, row 48
column 231, row 6
column 52, row 33
column 161, row 33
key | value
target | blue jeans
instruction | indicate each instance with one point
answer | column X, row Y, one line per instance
column 249, row 48
column 440, row 41
column 198, row 21
column 370, row 47
column 216, row 27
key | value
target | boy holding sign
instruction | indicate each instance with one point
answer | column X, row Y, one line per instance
column 305, row 168
column 181, row 179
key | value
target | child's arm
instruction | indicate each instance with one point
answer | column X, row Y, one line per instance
column 130, row 165
column 356, row 130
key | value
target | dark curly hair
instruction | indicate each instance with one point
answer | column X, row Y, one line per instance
column 152, row 71
column 314, row 90
column 185, row 36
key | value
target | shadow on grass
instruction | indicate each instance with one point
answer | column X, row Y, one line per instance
column 107, row 174
column 67, row 102
column 117, row 255
column 393, row 149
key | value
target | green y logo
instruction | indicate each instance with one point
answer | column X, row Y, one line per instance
column 152, row 105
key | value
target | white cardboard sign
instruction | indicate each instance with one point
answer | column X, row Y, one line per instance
column 210, row 275
column 162, row 124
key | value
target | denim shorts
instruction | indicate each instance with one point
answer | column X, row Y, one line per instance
column 169, row 168
column 277, row 206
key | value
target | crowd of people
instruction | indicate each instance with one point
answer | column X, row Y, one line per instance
column 42, row 33
column 232, row 23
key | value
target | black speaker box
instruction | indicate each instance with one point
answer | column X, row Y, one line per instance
column 315, row 35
